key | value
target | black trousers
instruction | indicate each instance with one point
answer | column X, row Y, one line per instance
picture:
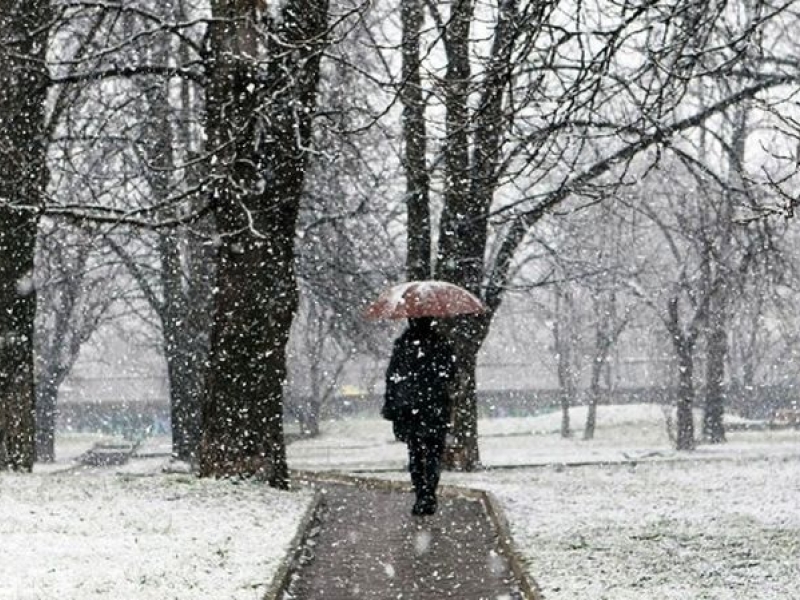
column 425, row 449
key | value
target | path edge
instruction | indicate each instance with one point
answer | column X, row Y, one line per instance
column 530, row 589
column 528, row 586
column 283, row 574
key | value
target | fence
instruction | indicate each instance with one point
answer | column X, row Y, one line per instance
column 133, row 419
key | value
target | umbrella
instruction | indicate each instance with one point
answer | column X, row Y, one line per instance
column 430, row 298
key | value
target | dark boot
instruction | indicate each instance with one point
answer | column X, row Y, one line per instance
column 425, row 505
column 430, row 504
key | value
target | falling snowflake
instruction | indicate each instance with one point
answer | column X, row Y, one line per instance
column 422, row 542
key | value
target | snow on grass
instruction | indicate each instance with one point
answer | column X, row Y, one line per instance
column 348, row 445
column 656, row 530
column 623, row 432
column 639, row 521
column 84, row 536
column 721, row 523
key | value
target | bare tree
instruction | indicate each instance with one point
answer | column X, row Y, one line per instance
column 612, row 307
column 256, row 72
column 76, row 295
column 320, row 361
column 260, row 99
column 535, row 109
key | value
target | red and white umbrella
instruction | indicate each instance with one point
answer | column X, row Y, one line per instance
column 430, row 298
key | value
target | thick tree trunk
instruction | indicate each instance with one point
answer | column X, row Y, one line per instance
column 258, row 175
column 462, row 452
column 17, row 310
column 462, row 238
column 23, row 177
column 418, row 220
column 243, row 412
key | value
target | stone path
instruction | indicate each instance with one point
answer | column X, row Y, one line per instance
column 366, row 545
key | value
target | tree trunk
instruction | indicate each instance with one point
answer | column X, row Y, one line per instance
column 195, row 344
column 177, row 324
column 418, row 221
column 685, row 400
column 604, row 340
column 462, row 238
column 594, row 396
column 184, row 349
column 243, row 410
column 258, row 172
column 308, row 410
column 462, row 452
column 46, row 413
column 184, row 378
column 564, row 341
column 23, row 178
column 719, row 318
column 683, row 344
column 469, row 186
column 714, row 410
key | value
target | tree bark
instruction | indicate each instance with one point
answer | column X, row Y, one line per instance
column 717, row 353
column 180, row 353
column 469, row 190
column 46, row 413
column 462, row 237
column 684, row 350
column 23, row 178
column 724, row 285
column 466, row 334
column 598, row 363
column 258, row 170
column 418, row 220
column 564, row 344
column 685, row 401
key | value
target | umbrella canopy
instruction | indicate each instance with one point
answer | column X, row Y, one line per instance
column 429, row 298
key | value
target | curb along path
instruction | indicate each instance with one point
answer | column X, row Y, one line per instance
column 365, row 544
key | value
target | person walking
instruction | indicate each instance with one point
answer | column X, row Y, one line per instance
column 418, row 403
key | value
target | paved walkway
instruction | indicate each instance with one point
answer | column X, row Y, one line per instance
column 366, row 545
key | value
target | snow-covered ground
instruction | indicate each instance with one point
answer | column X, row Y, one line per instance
column 666, row 531
column 91, row 534
column 721, row 523
column 634, row 519
column 623, row 433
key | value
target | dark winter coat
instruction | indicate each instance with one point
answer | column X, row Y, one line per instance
column 417, row 395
